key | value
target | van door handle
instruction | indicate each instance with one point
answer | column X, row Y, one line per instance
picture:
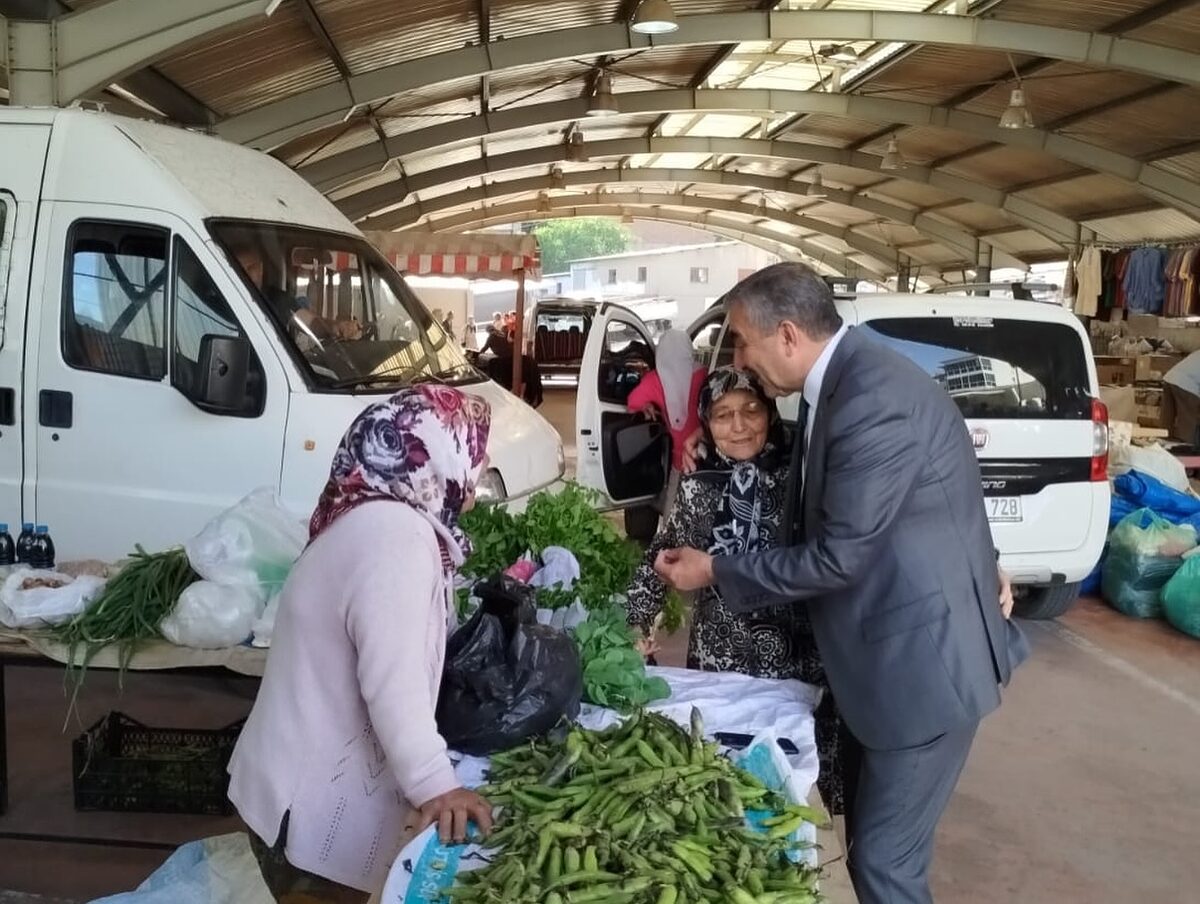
column 56, row 409
column 8, row 406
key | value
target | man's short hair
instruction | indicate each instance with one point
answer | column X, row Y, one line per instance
column 788, row 292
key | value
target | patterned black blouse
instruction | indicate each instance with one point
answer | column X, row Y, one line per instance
column 768, row 643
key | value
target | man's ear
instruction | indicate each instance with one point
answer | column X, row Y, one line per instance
column 792, row 338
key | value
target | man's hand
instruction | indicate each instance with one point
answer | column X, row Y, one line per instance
column 1006, row 594
column 347, row 330
column 685, row 568
column 691, row 447
column 452, row 810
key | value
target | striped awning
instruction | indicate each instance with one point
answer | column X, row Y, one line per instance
column 472, row 256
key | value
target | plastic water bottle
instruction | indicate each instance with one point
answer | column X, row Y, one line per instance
column 25, row 543
column 8, row 551
column 43, row 548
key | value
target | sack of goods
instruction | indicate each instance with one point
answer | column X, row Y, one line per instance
column 1145, row 550
column 506, row 677
column 1181, row 597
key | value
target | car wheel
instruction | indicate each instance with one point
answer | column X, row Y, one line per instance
column 1049, row 601
column 640, row 523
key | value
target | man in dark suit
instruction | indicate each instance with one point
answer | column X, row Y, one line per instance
column 893, row 556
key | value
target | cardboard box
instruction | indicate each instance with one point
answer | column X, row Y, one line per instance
column 1113, row 371
column 1153, row 367
column 1142, row 324
column 1121, row 402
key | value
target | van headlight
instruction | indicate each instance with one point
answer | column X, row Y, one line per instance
column 490, row 487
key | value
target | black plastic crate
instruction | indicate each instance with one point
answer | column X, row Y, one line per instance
column 121, row 765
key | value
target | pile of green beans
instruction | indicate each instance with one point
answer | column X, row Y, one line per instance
column 641, row 813
column 128, row 610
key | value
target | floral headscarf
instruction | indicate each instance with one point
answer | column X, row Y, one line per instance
column 424, row 447
column 736, row 526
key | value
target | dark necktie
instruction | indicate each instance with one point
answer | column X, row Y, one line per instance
column 795, row 493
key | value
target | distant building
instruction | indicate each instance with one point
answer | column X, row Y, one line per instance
column 694, row 276
column 990, row 380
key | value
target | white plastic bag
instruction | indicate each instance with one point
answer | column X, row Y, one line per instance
column 42, row 606
column 252, row 545
column 264, row 628
column 1156, row 461
column 210, row 616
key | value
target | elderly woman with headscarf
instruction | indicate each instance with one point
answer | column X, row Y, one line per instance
column 734, row 503
column 340, row 761
column 672, row 391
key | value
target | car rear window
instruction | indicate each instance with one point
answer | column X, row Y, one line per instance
column 996, row 368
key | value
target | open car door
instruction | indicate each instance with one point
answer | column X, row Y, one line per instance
column 622, row 455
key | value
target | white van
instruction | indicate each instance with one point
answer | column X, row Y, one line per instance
column 1021, row 372
column 177, row 328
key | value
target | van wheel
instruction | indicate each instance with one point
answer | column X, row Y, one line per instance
column 641, row 522
column 1050, row 601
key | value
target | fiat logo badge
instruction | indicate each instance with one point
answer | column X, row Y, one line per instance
column 979, row 438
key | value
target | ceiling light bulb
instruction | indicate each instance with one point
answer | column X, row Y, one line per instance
column 654, row 17
column 893, row 159
column 839, row 53
column 543, row 203
column 556, row 175
column 816, row 188
column 602, row 102
column 1017, row 115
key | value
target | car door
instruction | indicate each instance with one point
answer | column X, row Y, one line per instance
column 706, row 333
column 623, row 455
column 133, row 334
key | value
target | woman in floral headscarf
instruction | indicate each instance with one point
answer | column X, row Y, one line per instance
column 734, row 503
column 340, row 760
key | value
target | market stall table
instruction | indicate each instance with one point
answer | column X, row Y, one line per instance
column 21, row 649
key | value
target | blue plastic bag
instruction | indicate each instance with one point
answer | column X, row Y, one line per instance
column 1150, row 492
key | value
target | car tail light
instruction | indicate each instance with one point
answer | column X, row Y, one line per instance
column 1099, row 441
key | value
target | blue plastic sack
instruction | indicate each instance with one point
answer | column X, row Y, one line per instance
column 1090, row 586
column 1150, row 492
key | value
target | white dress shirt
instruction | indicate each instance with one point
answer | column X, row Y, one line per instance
column 812, row 385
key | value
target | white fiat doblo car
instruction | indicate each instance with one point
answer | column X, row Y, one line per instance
column 1021, row 372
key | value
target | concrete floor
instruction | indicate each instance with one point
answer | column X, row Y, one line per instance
column 1084, row 788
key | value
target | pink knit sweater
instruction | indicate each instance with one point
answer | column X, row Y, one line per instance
column 342, row 733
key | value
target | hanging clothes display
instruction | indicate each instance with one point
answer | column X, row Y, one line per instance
column 1145, row 281
column 1183, row 282
column 1088, row 282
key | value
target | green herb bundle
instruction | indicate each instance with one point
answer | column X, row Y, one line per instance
column 614, row 672
column 128, row 610
column 568, row 519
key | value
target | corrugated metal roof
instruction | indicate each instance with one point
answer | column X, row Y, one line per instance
column 1006, row 166
column 935, row 73
column 1185, row 165
column 1180, row 30
column 1144, row 127
column 1087, row 196
column 372, row 34
column 973, row 217
column 1025, row 242
column 1083, row 15
column 246, row 66
column 514, row 18
column 1161, row 225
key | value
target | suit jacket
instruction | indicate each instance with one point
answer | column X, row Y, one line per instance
column 897, row 564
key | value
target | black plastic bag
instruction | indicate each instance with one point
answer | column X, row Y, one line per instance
column 506, row 677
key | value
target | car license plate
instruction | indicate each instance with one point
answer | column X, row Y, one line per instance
column 1003, row 508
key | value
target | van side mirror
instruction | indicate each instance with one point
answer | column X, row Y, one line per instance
column 222, row 374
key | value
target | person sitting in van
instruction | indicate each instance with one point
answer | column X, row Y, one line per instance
column 671, row 392
column 289, row 309
column 340, row 762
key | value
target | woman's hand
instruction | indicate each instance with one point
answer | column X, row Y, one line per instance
column 647, row 645
column 1006, row 594
column 452, row 810
column 691, row 450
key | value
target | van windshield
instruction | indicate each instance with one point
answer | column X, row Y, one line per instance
column 347, row 317
column 996, row 367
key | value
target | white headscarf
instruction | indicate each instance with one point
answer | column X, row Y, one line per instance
column 674, row 364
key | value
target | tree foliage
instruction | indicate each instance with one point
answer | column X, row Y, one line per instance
column 565, row 240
